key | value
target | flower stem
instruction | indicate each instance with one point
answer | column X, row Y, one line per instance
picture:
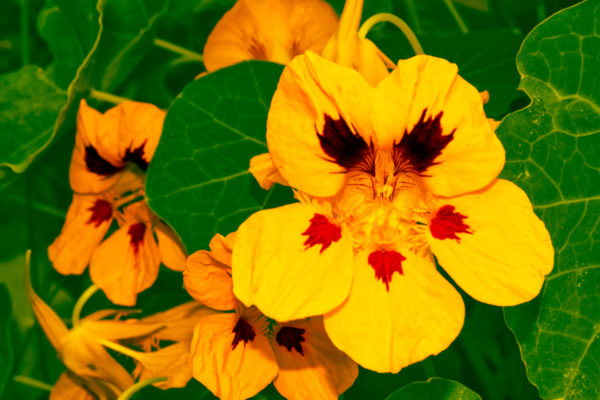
column 107, row 97
column 81, row 302
column 25, row 380
column 429, row 368
column 130, row 391
column 459, row 21
column 398, row 22
column 189, row 54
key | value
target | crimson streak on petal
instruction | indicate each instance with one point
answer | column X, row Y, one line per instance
column 322, row 231
column 447, row 223
column 385, row 263
column 101, row 212
column 136, row 233
column 291, row 338
column 243, row 332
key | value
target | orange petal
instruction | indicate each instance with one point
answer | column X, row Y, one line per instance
column 231, row 373
column 265, row 172
column 70, row 387
column 87, row 222
column 295, row 269
column 270, row 30
column 126, row 263
column 393, row 319
column 178, row 322
column 310, row 366
column 492, row 244
column 172, row 251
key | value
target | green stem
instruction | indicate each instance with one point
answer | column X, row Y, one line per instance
column 89, row 292
column 429, row 368
column 189, row 54
column 25, row 380
column 459, row 21
column 398, row 22
column 107, row 97
column 127, row 394
column 24, row 32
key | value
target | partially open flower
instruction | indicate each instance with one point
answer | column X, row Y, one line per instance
column 387, row 177
column 236, row 354
column 270, row 30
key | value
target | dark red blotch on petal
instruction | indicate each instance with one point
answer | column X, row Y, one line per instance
column 346, row 149
column 243, row 332
column 447, row 223
column 419, row 148
column 98, row 165
column 136, row 233
column 291, row 338
column 385, row 263
column 101, row 212
column 136, row 156
column 322, row 231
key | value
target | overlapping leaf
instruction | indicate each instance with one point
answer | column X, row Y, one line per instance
column 434, row 389
column 553, row 152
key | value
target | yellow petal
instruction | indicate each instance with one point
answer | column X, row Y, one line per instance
column 231, row 373
column 492, row 244
column 271, row 30
column 126, row 263
column 316, row 103
column 208, row 275
column 172, row 251
column 119, row 330
column 319, row 371
column 386, row 330
column 70, row 387
column 425, row 89
column 178, row 322
column 265, row 172
column 295, row 269
column 86, row 224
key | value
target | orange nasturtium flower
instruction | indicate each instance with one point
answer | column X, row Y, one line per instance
column 107, row 174
column 387, row 177
column 270, row 30
column 237, row 354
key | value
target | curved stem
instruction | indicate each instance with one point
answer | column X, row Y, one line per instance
column 189, row 54
column 398, row 22
column 89, row 292
column 459, row 21
column 107, row 97
column 130, row 391
column 25, row 380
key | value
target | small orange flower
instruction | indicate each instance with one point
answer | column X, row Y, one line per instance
column 107, row 173
column 270, row 30
column 237, row 354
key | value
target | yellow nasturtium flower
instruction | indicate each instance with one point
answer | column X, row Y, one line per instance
column 107, row 174
column 237, row 354
column 270, row 30
column 387, row 177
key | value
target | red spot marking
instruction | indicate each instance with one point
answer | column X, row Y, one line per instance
column 447, row 223
column 136, row 232
column 419, row 148
column 98, row 165
column 322, row 231
column 243, row 331
column 101, row 212
column 136, row 156
column 291, row 338
column 385, row 263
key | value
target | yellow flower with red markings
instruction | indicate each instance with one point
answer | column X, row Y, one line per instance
column 107, row 174
column 270, row 30
column 236, row 354
column 387, row 177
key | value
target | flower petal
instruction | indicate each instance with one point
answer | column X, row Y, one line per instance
column 320, row 372
column 319, row 125
column 265, row 172
column 505, row 254
column 386, row 330
column 70, row 387
column 230, row 373
column 86, row 224
column 172, row 251
column 126, row 263
column 448, row 138
column 288, row 265
column 207, row 277
column 178, row 321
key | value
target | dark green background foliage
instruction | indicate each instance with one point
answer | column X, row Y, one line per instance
column 55, row 52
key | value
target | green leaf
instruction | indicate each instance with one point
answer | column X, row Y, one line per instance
column 7, row 338
column 434, row 389
column 198, row 180
column 553, row 152
column 29, row 105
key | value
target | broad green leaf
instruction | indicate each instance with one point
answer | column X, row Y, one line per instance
column 198, row 180
column 7, row 338
column 553, row 152
column 29, row 106
column 434, row 389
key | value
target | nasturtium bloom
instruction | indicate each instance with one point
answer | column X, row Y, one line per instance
column 236, row 354
column 387, row 177
column 107, row 174
column 270, row 30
